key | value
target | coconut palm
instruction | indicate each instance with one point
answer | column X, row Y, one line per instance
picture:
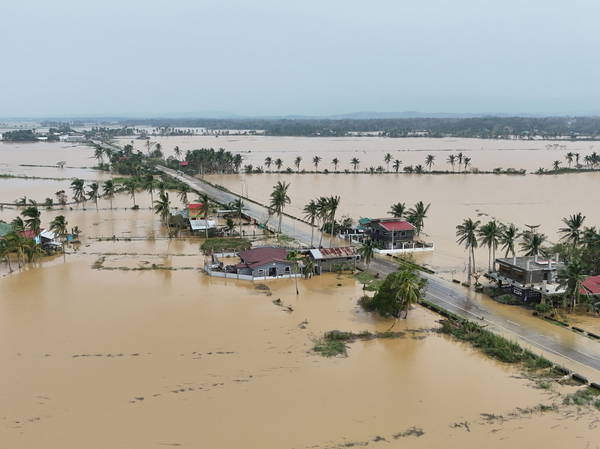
column 268, row 161
column 451, row 160
column 311, row 213
column 99, row 153
column 108, row 190
column 556, row 165
column 532, row 243
column 466, row 162
column 32, row 218
column 5, row 250
column 238, row 207
column 429, row 161
column 279, row 199
column 573, row 229
column 92, row 193
column 293, row 256
column 417, row 215
column 184, row 189
column 398, row 210
column 297, row 163
column 569, row 157
column 59, row 226
column 323, row 213
column 467, row 236
column 162, row 207
column 409, row 289
column 397, row 164
column 489, row 235
column 387, row 159
column 14, row 243
column 149, row 185
column 571, row 278
column 333, row 202
column 354, row 162
column 316, row 161
column 335, row 161
column 130, row 186
column 177, row 152
column 459, row 158
column 61, row 197
column 18, row 225
column 278, row 163
column 367, row 251
column 508, row 238
column 77, row 186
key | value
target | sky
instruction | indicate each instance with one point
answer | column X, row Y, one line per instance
column 263, row 57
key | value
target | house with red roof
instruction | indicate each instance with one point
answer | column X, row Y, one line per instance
column 390, row 233
column 195, row 210
column 591, row 286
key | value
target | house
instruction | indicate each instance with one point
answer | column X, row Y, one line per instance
column 264, row 262
column 529, row 270
column 390, row 233
column 202, row 225
column 28, row 234
column 184, row 163
column 195, row 210
column 590, row 286
column 334, row 259
column 47, row 239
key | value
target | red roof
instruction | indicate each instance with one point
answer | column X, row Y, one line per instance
column 397, row 225
column 28, row 234
column 255, row 257
column 591, row 286
column 195, row 206
column 184, row 163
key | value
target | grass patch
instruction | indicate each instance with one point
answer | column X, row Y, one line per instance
column 334, row 343
column 584, row 397
column 220, row 244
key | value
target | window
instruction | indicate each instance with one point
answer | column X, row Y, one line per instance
column 287, row 269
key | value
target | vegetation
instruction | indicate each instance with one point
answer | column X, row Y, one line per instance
column 221, row 244
column 334, row 343
column 279, row 199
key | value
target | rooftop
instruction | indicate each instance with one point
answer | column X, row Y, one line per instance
column 195, row 206
column 529, row 263
column 197, row 225
column 332, row 253
column 394, row 224
column 591, row 286
column 255, row 257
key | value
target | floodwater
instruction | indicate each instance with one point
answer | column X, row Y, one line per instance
column 127, row 344
column 485, row 154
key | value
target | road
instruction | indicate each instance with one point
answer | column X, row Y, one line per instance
column 573, row 348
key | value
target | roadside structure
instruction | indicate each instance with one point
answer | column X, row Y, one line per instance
column 334, row 259
column 394, row 235
column 591, row 286
column 253, row 264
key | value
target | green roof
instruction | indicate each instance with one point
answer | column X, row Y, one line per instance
column 363, row 221
column 5, row 228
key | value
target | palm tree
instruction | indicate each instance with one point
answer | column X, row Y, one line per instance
column 417, row 215
column 109, row 189
column 397, row 164
column 177, row 152
column 429, row 161
column 278, row 163
column 311, row 213
column 556, row 165
column 532, row 243
column 268, row 161
column 316, row 161
column 452, row 160
column 459, row 157
column 238, row 207
column 14, row 242
column 489, row 235
column 32, row 218
column 323, row 213
column 467, row 162
column 355, row 162
column 398, row 210
column 17, row 224
column 77, row 186
column 573, row 229
column 184, row 189
column 148, row 185
column 130, row 186
column 508, row 238
column 409, row 288
column 99, row 153
column 297, row 162
column 333, row 202
column 294, row 256
column 569, row 158
column 162, row 207
column 93, row 193
column 387, row 159
column 59, row 227
column 279, row 199
column 335, row 161
column 467, row 235
column 367, row 251
column 571, row 278
column 5, row 250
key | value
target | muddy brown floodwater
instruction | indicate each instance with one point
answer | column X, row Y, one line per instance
column 127, row 344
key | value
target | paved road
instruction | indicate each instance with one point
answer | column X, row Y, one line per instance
column 573, row 348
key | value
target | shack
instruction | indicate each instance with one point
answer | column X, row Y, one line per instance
column 334, row 259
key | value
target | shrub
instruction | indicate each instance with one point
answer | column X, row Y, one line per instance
column 543, row 308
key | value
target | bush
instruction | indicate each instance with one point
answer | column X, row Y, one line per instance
column 543, row 308
column 366, row 302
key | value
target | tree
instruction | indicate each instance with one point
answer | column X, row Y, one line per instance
column 316, row 161
column 396, row 165
column 148, row 185
column 162, row 207
column 294, row 256
column 18, row 225
column 77, row 186
column 573, row 229
column 177, row 152
column 452, row 160
column 556, row 165
column 571, row 278
column 333, row 202
column 355, row 162
column 569, row 157
column 99, row 153
column 130, row 186
column 61, row 197
column 398, row 210
column 467, row 236
column 417, row 215
column 335, row 161
column 508, row 238
column 367, row 251
column 398, row 293
column 184, row 189
column 279, row 199
column 489, row 235
column 297, row 162
column 467, row 162
column 238, row 207
column 32, row 218
column 429, row 161
column 59, row 226
column 311, row 213
column 532, row 243
column 278, row 163
column 205, row 210
column 268, row 161
column 109, row 189
column 323, row 212
column 387, row 159
column 93, row 193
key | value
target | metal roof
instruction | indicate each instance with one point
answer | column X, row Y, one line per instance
column 198, row 225
column 333, row 253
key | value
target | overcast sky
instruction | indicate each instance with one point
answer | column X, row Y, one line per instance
column 264, row 57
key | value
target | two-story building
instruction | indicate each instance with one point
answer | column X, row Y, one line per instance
column 390, row 233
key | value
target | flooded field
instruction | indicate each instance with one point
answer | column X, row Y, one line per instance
column 127, row 344
column 485, row 154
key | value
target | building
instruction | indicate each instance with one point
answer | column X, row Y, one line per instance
column 334, row 259
column 390, row 233
column 264, row 262
column 195, row 210
column 590, row 286
column 202, row 225
column 47, row 239
column 529, row 270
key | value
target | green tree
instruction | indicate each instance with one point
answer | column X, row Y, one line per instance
column 311, row 213
column 77, row 186
column 397, row 164
column 355, row 162
column 335, row 161
column 130, row 186
column 429, row 161
column 532, row 243
column 162, row 207
column 367, row 251
column 278, row 163
column 508, row 238
column 417, row 215
column 452, row 160
column 279, row 199
column 92, row 193
column 573, row 229
column 32, row 218
column 333, row 202
column 148, row 185
column 398, row 210
column 571, row 278
column 398, row 293
column 108, row 190
column 316, row 161
column 59, row 226
column 467, row 236
column 387, row 159
column 297, row 163
column 489, row 235
column 184, row 189
column 268, row 161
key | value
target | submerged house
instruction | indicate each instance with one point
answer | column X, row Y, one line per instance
column 529, row 276
column 334, row 259
column 260, row 262
column 394, row 235
column 47, row 239
column 201, row 225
